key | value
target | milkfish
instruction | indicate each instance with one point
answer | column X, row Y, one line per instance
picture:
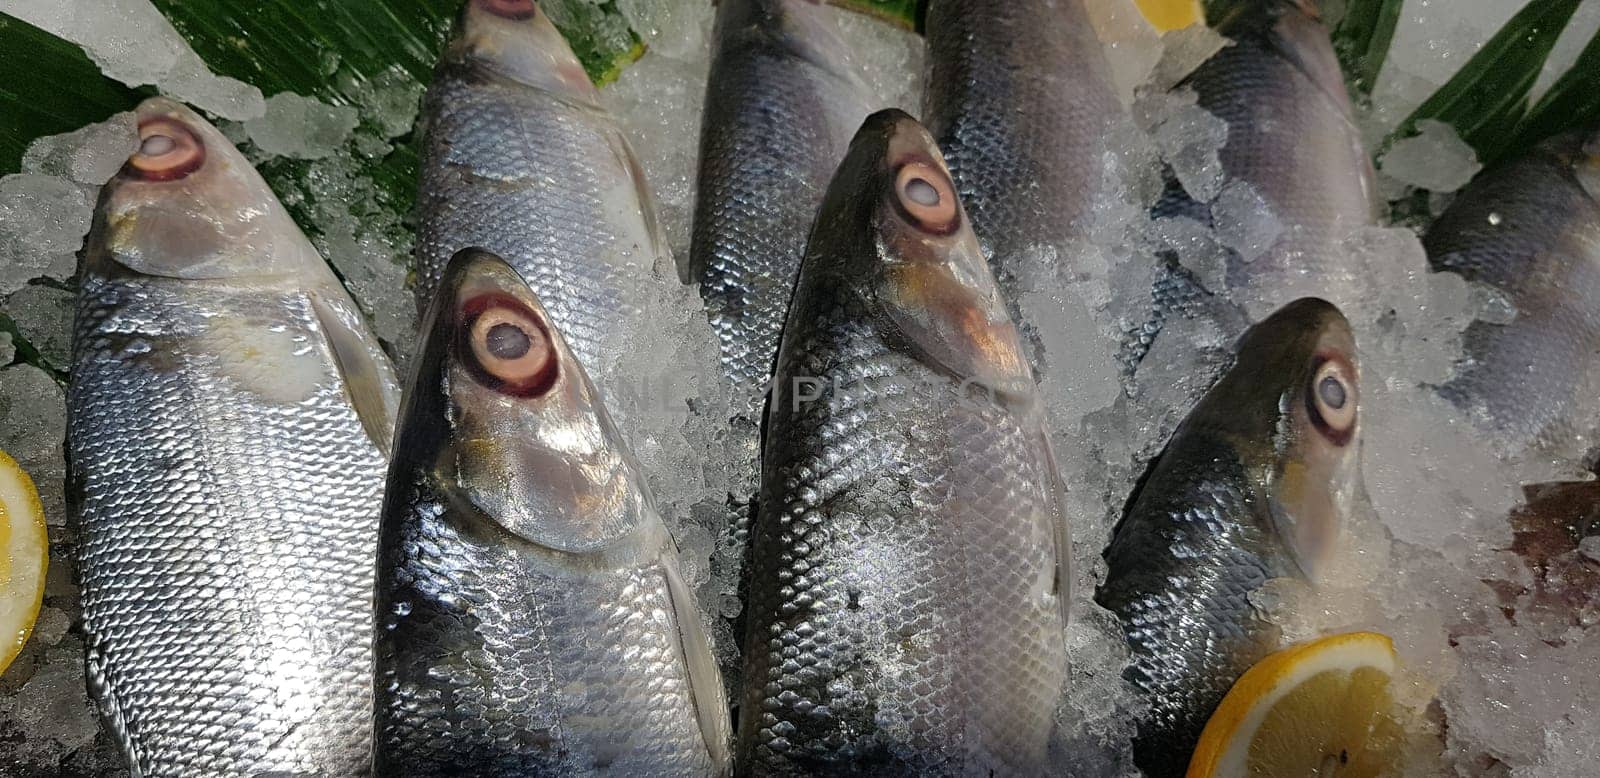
column 533, row 617
column 1257, row 483
column 1293, row 141
column 909, row 559
column 1530, row 230
column 229, row 418
column 1020, row 98
column 520, row 158
column 781, row 104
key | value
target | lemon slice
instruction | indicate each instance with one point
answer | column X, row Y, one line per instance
column 1165, row 15
column 1322, row 708
column 27, row 555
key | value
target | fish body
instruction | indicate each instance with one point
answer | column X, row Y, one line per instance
column 519, row 158
column 229, row 420
column 781, row 104
column 1255, row 484
column 907, row 586
column 1530, row 230
column 1021, row 100
column 533, row 617
column 1292, row 139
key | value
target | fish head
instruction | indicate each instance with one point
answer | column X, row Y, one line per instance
column 1587, row 164
column 188, row 205
column 908, row 250
column 515, row 40
column 511, row 419
column 1290, row 406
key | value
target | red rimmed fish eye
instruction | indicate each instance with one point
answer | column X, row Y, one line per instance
column 1332, row 397
column 924, row 194
column 509, row 9
column 168, row 150
column 509, row 348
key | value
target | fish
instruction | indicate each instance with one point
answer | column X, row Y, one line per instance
column 1529, row 230
column 1020, row 97
column 519, row 157
column 909, row 561
column 781, row 104
column 1291, row 138
column 229, row 423
column 1256, row 483
column 533, row 616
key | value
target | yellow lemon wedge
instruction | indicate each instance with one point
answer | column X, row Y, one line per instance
column 1322, row 708
column 24, row 561
column 1165, row 15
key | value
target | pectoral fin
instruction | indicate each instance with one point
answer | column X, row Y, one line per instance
column 705, row 682
column 368, row 377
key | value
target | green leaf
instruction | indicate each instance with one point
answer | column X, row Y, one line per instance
column 48, row 86
column 338, row 51
column 903, row 13
column 1362, row 40
column 1573, row 101
column 1486, row 99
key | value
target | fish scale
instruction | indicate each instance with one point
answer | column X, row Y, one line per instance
column 1248, row 485
column 1021, row 100
column 534, row 621
column 224, row 548
column 904, row 610
column 780, row 103
column 780, row 106
column 1530, row 229
column 583, row 642
column 520, row 159
column 228, row 416
column 1180, row 579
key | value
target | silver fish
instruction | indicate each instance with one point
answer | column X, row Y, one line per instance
column 1291, row 135
column 229, row 416
column 520, row 158
column 909, row 562
column 780, row 106
column 534, row 620
column 1256, row 483
column 1530, row 229
column 1292, row 139
column 1021, row 100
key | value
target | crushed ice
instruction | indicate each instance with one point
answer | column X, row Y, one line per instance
column 1429, row 564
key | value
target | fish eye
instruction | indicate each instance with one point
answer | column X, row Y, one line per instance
column 510, row 347
column 1331, row 398
column 925, row 195
column 168, row 150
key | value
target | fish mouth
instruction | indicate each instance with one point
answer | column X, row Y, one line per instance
column 516, row 41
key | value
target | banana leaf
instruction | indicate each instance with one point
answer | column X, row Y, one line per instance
column 1573, row 102
column 1362, row 40
column 903, row 13
column 1487, row 98
column 48, row 86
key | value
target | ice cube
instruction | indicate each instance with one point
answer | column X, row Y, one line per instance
column 1244, row 221
column 33, row 424
column 42, row 223
column 1189, row 138
column 133, row 42
column 44, row 317
column 301, row 127
column 1436, row 158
